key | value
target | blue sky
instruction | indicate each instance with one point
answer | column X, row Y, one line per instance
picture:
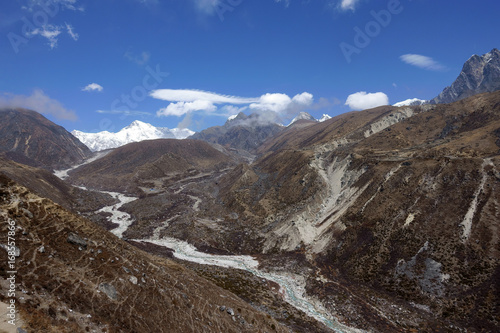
column 98, row 65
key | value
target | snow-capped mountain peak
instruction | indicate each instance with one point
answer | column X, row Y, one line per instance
column 138, row 124
column 325, row 117
column 411, row 102
column 135, row 132
column 302, row 116
column 307, row 116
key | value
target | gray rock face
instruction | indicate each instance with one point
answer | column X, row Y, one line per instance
column 76, row 240
column 480, row 74
column 109, row 290
column 17, row 251
column 242, row 132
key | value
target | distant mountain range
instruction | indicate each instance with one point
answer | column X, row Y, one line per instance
column 135, row 132
column 250, row 130
column 247, row 132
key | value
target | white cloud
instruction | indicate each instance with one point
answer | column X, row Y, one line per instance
column 362, row 100
column 181, row 108
column 304, row 99
column 184, row 101
column 39, row 102
column 186, row 95
column 422, row 62
column 93, row 87
column 272, row 102
column 71, row 32
column 52, row 33
column 348, row 4
column 282, row 103
column 49, row 31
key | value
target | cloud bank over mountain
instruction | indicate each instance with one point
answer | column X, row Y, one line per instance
column 184, row 101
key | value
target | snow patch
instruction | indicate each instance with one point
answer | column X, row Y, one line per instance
column 307, row 116
column 411, row 102
column 325, row 117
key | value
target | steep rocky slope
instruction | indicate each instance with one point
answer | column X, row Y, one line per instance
column 401, row 200
column 41, row 181
column 394, row 211
column 72, row 276
column 29, row 138
column 390, row 214
column 480, row 74
column 45, row 184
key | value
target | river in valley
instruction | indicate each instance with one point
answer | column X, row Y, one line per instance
column 292, row 286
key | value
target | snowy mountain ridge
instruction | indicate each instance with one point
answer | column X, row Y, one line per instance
column 135, row 132
column 411, row 102
column 307, row 116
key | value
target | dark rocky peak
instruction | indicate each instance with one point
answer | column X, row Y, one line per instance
column 479, row 74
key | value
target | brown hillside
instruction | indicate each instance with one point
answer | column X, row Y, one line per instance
column 29, row 138
column 76, row 277
column 126, row 167
column 402, row 200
